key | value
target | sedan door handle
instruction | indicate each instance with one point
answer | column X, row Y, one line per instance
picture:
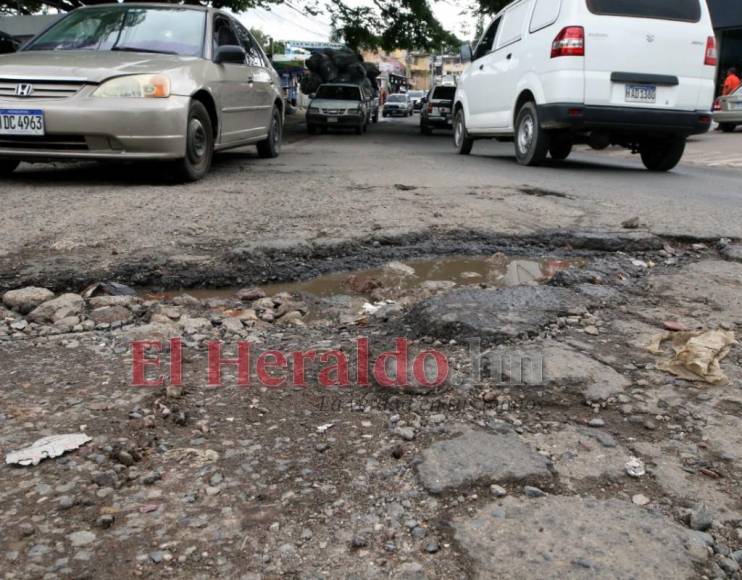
column 481, row 67
column 510, row 56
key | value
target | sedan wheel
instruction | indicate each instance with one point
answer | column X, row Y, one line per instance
column 199, row 145
column 8, row 166
column 271, row 146
column 662, row 154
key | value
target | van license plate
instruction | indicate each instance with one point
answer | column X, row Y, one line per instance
column 641, row 94
column 21, row 122
column 332, row 119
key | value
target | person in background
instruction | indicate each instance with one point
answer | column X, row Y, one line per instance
column 732, row 82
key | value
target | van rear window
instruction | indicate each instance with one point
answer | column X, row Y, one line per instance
column 682, row 10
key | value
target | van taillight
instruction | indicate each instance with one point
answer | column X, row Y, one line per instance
column 712, row 58
column 569, row 42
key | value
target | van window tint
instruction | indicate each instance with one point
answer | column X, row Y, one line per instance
column 545, row 13
column 512, row 23
column 683, row 10
column 446, row 93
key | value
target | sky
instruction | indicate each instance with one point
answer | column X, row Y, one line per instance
column 288, row 22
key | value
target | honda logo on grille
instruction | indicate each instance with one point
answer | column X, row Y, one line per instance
column 24, row 90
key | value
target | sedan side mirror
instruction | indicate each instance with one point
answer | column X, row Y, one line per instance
column 229, row 53
column 465, row 52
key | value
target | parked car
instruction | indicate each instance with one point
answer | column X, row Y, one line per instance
column 416, row 97
column 728, row 111
column 8, row 44
column 437, row 109
column 397, row 105
column 139, row 82
column 551, row 73
column 340, row 105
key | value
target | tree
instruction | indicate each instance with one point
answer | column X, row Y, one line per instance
column 387, row 24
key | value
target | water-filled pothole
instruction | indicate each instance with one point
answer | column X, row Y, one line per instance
column 497, row 270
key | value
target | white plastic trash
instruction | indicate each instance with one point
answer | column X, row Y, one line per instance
column 47, row 447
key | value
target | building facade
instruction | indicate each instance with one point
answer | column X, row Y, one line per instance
column 727, row 18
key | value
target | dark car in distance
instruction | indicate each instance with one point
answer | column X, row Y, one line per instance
column 437, row 109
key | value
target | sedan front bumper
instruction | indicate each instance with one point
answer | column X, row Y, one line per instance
column 86, row 127
column 339, row 120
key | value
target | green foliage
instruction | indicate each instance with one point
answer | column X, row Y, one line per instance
column 386, row 24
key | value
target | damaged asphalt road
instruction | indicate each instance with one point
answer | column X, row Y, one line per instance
column 76, row 224
column 556, row 447
column 599, row 465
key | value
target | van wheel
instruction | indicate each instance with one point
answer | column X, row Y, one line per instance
column 560, row 147
column 531, row 141
column 727, row 127
column 662, row 155
column 461, row 139
column 199, row 145
column 271, row 146
column 8, row 166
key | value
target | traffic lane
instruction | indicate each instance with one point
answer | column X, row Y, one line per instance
column 690, row 200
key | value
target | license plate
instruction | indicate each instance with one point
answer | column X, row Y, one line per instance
column 21, row 122
column 641, row 94
column 332, row 119
column 737, row 106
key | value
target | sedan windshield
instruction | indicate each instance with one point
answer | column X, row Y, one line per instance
column 339, row 93
column 132, row 29
column 397, row 98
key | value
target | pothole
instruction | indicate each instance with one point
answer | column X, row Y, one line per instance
column 400, row 277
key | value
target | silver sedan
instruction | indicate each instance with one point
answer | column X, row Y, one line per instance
column 728, row 111
column 139, row 82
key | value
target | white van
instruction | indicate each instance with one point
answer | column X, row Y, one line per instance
column 552, row 73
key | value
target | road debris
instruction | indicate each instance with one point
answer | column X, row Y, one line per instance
column 46, row 448
column 635, row 467
column 698, row 354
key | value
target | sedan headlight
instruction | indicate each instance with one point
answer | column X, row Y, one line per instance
column 143, row 86
column 314, row 109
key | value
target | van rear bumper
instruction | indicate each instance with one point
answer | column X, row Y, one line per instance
column 626, row 120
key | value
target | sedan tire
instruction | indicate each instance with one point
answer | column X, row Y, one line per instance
column 8, row 166
column 270, row 147
column 199, row 145
column 727, row 127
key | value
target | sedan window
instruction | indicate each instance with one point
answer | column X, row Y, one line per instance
column 135, row 29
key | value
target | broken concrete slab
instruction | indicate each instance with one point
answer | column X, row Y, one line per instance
column 732, row 252
column 559, row 537
column 669, row 473
column 479, row 457
column 24, row 300
column 552, row 363
column 577, row 453
column 58, row 308
column 710, row 281
column 491, row 315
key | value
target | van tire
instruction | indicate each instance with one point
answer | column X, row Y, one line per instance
column 270, row 147
column 461, row 139
column 199, row 145
column 727, row 127
column 531, row 141
column 662, row 154
column 8, row 166
column 560, row 147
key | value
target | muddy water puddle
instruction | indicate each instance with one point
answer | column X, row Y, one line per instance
column 497, row 270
